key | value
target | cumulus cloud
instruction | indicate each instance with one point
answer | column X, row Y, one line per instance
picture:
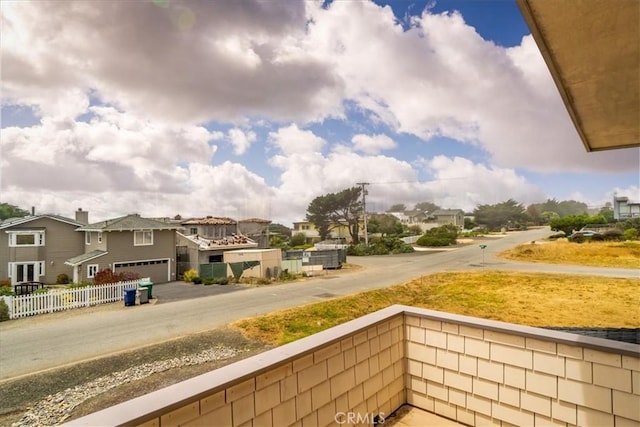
column 189, row 61
column 241, row 140
column 372, row 144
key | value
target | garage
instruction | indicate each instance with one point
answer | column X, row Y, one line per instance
column 158, row 270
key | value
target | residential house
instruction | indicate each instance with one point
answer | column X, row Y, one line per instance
column 624, row 209
column 257, row 229
column 449, row 216
column 127, row 244
column 35, row 247
column 337, row 232
column 409, row 218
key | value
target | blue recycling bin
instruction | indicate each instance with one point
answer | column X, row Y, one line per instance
column 129, row 296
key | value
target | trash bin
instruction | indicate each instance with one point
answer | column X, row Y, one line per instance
column 129, row 296
column 143, row 296
column 149, row 286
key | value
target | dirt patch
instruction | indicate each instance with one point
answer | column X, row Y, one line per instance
column 21, row 394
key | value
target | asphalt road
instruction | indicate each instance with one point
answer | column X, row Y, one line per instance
column 49, row 341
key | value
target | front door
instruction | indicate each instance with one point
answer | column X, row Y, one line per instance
column 24, row 272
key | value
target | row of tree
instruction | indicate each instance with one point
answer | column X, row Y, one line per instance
column 345, row 209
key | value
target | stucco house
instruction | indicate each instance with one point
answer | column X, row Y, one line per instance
column 129, row 243
column 623, row 208
column 257, row 229
column 35, row 247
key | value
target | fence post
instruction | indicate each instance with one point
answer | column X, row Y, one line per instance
column 8, row 300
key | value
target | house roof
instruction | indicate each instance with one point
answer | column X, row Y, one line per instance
column 209, row 220
column 236, row 241
column 591, row 49
column 12, row 222
column 129, row 223
column 80, row 259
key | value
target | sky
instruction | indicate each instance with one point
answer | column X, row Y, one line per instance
column 254, row 108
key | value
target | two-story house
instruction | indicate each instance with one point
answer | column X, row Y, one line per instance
column 35, row 247
column 127, row 244
column 449, row 216
column 205, row 240
column 623, row 208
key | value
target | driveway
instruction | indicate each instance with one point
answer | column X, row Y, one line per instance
column 177, row 291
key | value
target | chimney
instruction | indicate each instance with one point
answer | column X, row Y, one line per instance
column 82, row 216
column 33, row 210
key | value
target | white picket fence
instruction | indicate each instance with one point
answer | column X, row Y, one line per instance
column 66, row 299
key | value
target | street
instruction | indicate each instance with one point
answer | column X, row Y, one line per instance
column 43, row 342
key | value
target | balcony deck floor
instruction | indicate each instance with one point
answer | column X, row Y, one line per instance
column 409, row 416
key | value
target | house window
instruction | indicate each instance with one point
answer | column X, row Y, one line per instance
column 26, row 238
column 193, row 231
column 87, row 237
column 92, row 269
column 143, row 238
column 41, row 268
column 99, row 237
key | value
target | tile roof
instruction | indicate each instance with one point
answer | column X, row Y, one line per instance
column 129, row 223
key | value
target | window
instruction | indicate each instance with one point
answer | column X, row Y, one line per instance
column 26, row 238
column 92, row 269
column 99, row 237
column 41, row 268
column 143, row 238
column 87, row 237
column 193, row 230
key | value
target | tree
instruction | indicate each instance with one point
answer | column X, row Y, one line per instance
column 607, row 213
column 298, row 239
column 11, row 211
column 398, row 207
column 384, row 224
column 499, row 215
column 337, row 209
column 563, row 208
column 426, row 207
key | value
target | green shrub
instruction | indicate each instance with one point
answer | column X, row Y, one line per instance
column 439, row 236
column 630, row 234
column 189, row 275
column 41, row 291
column 7, row 290
column 82, row 284
column 62, row 279
column 196, row 280
column 4, row 311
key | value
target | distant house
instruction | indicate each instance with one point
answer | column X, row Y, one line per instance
column 624, row 209
column 127, row 244
column 449, row 216
column 337, row 232
column 35, row 247
column 205, row 240
column 413, row 217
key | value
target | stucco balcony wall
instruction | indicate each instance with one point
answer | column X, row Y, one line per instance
column 474, row 371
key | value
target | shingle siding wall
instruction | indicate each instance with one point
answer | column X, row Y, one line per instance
column 478, row 376
column 475, row 371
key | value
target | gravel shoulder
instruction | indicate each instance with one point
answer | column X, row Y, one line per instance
column 22, row 394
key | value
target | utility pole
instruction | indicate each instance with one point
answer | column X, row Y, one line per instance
column 364, row 209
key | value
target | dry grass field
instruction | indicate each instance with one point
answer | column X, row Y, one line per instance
column 596, row 254
column 523, row 298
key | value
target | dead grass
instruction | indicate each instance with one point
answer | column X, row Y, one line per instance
column 523, row 298
column 596, row 254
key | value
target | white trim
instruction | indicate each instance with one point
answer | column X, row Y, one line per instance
column 94, row 267
column 135, row 239
column 87, row 237
column 38, row 238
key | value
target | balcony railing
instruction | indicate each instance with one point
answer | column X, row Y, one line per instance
column 471, row 370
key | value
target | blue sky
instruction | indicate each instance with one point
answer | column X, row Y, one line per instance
column 252, row 109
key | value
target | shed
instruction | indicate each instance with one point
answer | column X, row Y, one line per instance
column 270, row 261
